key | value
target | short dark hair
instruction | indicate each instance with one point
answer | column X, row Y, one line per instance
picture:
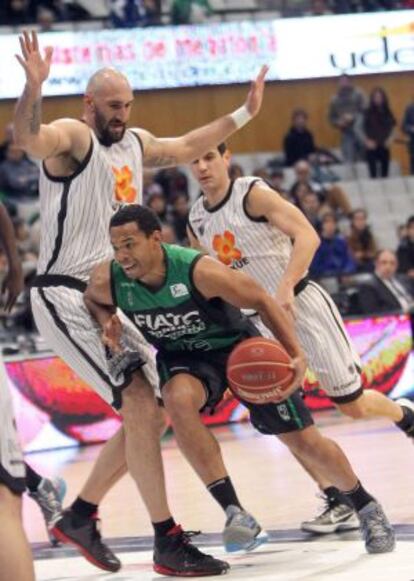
column 145, row 218
column 222, row 147
column 410, row 221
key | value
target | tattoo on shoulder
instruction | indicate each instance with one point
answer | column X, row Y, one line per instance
column 160, row 160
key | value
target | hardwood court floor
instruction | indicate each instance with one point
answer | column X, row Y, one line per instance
column 271, row 486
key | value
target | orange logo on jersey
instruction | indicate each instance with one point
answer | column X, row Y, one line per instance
column 225, row 248
column 124, row 191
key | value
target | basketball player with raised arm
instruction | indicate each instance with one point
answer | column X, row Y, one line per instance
column 184, row 303
column 87, row 169
column 249, row 227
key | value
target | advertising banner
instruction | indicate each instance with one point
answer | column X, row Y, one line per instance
column 222, row 53
column 54, row 408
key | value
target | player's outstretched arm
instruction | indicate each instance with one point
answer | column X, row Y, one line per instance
column 39, row 140
column 213, row 279
column 172, row 151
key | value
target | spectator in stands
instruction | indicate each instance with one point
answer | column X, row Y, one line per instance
column 313, row 209
column 277, row 182
column 190, row 11
column 299, row 190
column 387, row 291
column 132, row 13
column 346, row 111
column 405, row 251
column 16, row 12
column 331, row 194
column 168, row 234
column 235, row 171
column 378, row 129
column 179, row 217
column 59, row 9
column 173, row 181
column 19, row 177
column 262, row 173
column 45, row 18
column 361, row 241
column 320, row 8
column 333, row 257
column 408, row 128
column 298, row 143
column 157, row 202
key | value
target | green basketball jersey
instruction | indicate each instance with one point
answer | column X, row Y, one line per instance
column 175, row 316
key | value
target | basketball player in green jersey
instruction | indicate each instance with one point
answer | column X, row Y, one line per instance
column 187, row 305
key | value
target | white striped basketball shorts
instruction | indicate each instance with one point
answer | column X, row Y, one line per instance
column 12, row 467
column 65, row 323
column 326, row 344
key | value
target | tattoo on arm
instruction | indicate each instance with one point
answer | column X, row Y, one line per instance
column 35, row 116
column 160, row 160
column 155, row 155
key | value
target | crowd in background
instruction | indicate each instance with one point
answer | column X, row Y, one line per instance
column 366, row 128
column 130, row 13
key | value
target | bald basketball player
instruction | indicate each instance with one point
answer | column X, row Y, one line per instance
column 88, row 168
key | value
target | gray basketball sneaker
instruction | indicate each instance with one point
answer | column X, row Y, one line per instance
column 335, row 517
column 49, row 496
column 376, row 530
column 242, row 532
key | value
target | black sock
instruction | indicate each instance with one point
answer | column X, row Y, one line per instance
column 358, row 496
column 83, row 508
column 407, row 422
column 32, row 479
column 223, row 492
column 163, row 527
column 335, row 496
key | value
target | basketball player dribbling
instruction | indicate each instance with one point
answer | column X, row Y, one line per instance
column 258, row 228
column 87, row 169
column 183, row 302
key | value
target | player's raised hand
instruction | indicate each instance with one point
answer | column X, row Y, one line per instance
column 255, row 95
column 35, row 65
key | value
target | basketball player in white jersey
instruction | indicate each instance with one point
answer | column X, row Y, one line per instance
column 87, row 169
column 15, row 555
column 248, row 226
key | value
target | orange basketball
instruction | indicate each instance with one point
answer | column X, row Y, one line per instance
column 259, row 370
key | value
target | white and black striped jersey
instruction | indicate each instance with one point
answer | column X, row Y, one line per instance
column 75, row 211
column 227, row 232
column 263, row 251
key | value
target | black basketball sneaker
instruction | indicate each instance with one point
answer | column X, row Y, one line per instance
column 84, row 534
column 175, row 555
